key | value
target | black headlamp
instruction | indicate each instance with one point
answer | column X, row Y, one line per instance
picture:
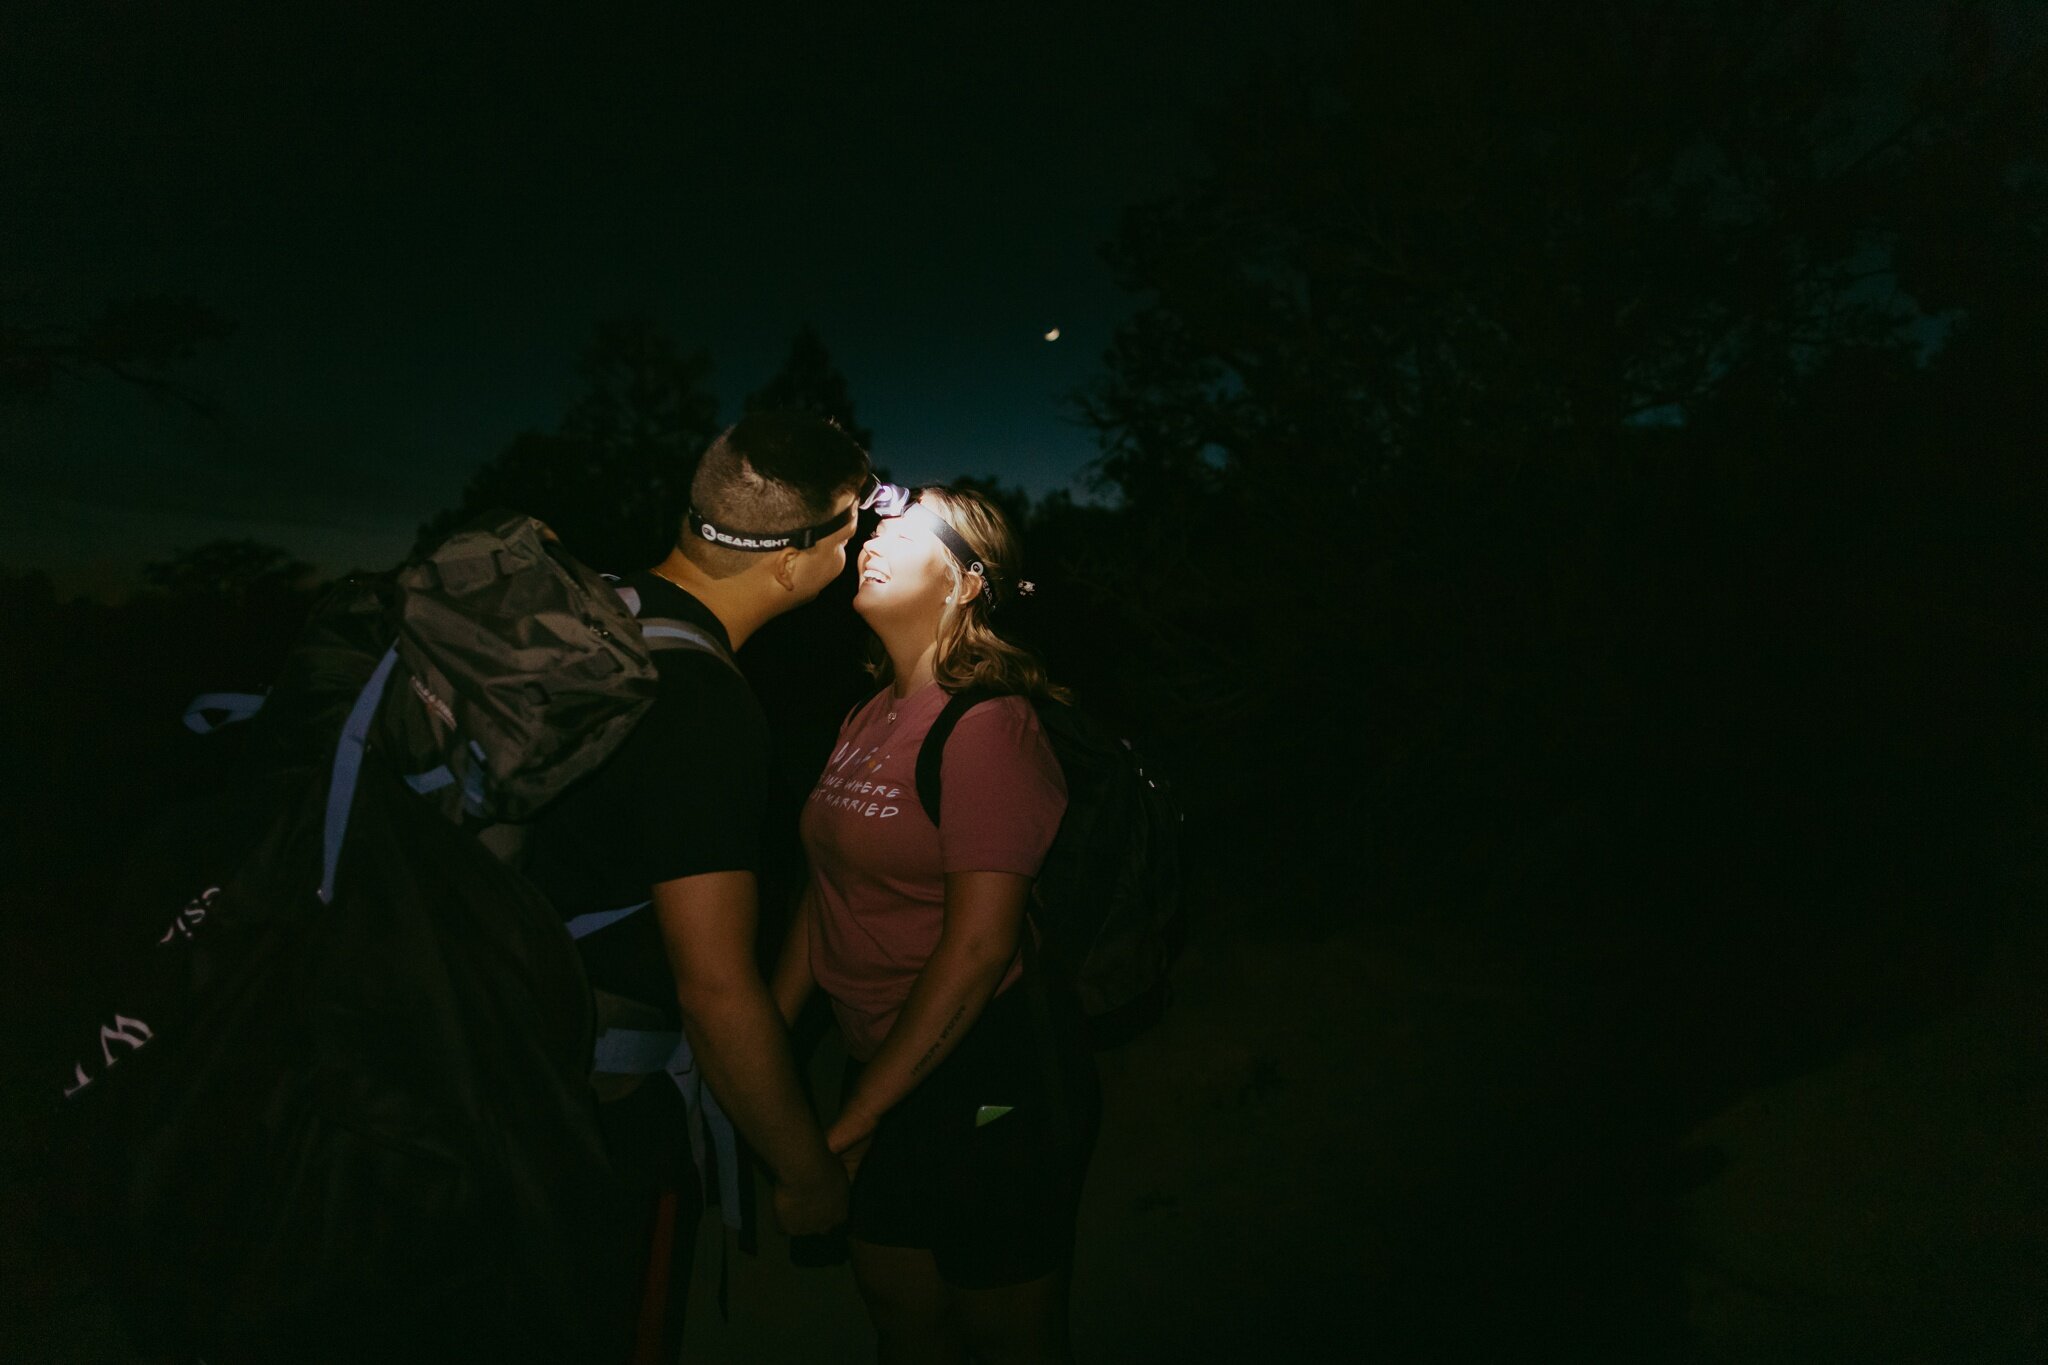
column 888, row 500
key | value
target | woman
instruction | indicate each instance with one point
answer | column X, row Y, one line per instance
column 971, row 1104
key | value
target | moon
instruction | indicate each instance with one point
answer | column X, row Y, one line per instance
column 1053, row 335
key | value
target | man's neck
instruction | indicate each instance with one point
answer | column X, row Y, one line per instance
column 726, row 598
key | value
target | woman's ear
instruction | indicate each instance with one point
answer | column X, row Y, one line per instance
column 972, row 585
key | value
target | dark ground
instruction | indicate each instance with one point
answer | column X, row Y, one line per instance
column 1394, row 1146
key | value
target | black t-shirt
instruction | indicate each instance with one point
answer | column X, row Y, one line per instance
column 683, row 794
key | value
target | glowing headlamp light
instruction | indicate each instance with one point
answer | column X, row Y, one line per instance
column 887, row 499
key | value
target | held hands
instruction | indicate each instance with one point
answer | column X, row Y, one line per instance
column 814, row 1202
column 849, row 1138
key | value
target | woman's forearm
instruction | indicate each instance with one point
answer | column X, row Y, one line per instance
column 950, row 993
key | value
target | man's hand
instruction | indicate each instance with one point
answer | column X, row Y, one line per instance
column 813, row 1204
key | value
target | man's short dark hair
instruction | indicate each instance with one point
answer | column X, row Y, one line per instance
column 768, row 473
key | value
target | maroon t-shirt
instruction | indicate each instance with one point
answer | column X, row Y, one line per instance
column 880, row 864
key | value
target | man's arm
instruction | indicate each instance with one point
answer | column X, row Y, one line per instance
column 794, row 981
column 707, row 926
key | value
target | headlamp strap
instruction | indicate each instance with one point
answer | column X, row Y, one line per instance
column 957, row 546
column 753, row 541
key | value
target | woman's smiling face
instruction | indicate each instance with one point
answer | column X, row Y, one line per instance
column 904, row 569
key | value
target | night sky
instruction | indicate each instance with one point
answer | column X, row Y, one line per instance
column 415, row 216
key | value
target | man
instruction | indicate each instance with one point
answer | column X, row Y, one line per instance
column 674, row 819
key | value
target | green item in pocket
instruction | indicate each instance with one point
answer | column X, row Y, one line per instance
column 989, row 1113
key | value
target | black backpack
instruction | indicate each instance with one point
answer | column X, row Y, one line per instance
column 339, row 1108
column 1107, row 901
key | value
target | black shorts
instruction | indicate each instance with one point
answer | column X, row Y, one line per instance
column 993, row 1200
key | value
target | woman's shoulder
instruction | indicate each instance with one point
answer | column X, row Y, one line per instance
column 1007, row 722
column 1009, row 709
column 1000, row 740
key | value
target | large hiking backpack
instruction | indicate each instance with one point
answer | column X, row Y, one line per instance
column 340, row 1109
column 1107, row 901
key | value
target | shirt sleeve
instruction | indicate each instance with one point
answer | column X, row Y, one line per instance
column 1001, row 791
column 702, row 783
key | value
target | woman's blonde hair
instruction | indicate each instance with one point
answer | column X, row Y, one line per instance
column 971, row 654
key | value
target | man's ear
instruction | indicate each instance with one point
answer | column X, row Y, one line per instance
column 785, row 568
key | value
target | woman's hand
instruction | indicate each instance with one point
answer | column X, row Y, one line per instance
column 849, row 1137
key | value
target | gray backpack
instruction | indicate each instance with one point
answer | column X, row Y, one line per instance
column 494, row 673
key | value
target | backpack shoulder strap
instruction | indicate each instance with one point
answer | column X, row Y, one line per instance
column 665, row 632
column 662, row 632
column 230, row 707
column 931, row 755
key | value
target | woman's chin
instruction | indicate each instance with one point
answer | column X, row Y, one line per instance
column 878, row 605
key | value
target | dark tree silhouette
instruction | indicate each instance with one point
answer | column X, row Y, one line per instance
column 1580, row 450
column 809, row 382
column 1459, row 290
column 230, row 571
column 137, row 341
column 613, row 479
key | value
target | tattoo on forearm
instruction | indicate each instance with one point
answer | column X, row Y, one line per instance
column 940, row 1042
